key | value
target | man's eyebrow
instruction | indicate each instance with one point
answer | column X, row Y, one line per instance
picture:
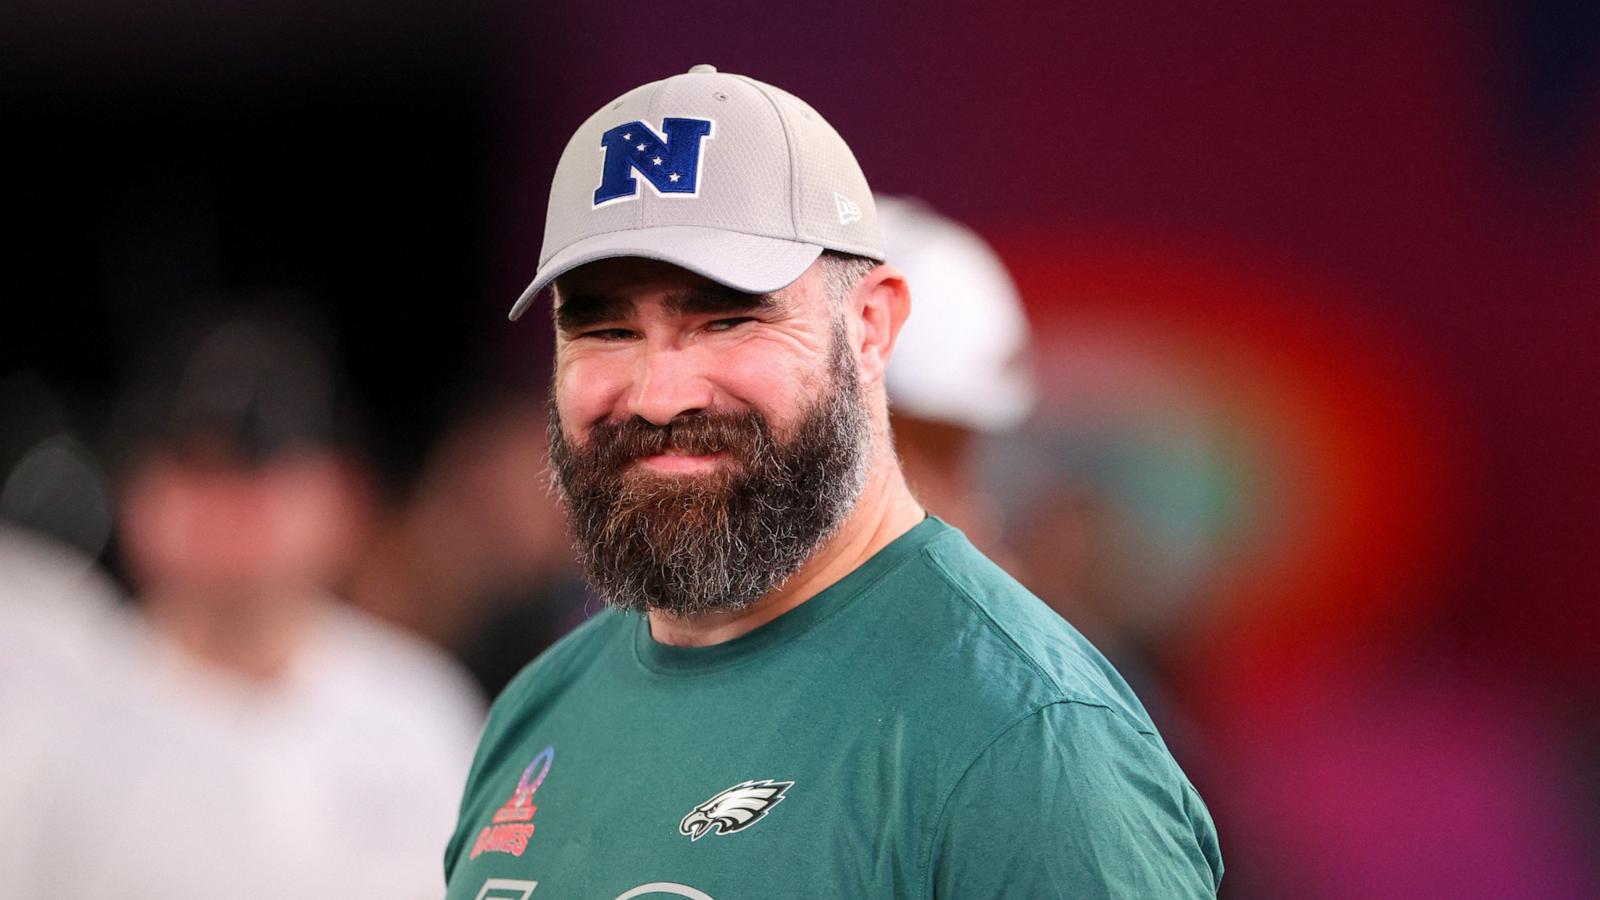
column 584, row 310
column 579, row 311
column 713, row 299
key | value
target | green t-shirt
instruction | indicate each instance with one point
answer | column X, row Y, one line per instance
column 925, row 727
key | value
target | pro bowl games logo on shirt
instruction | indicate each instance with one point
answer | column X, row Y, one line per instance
column 513, row 823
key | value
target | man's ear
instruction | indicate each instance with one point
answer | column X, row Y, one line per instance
column 881, row 302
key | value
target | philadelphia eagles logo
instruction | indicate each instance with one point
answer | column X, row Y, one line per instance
column 735, row 809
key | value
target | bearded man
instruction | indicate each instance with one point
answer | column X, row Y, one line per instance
column 804, row 686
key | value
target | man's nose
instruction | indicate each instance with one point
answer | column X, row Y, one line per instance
column 669, row 383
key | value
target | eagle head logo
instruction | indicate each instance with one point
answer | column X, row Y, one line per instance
column 735, row 809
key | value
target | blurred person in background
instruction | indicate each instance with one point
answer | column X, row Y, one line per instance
column 63, row 628
column 960, row 369
column 62, row 634
column 59, row 613
column 265, row 739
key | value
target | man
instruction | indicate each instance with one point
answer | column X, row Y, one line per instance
column 805, row 687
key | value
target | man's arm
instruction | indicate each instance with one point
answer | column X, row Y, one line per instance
column 1072, row 801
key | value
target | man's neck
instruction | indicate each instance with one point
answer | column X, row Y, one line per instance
column 885, row 511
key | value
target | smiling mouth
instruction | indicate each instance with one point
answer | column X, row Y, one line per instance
column 679, row 461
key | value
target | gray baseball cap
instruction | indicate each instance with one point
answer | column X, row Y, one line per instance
column 721, row 174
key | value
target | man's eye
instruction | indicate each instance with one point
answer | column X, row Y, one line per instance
column 728, row 324
column 608, row 334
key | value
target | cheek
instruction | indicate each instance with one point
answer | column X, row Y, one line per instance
column 587, row 390
column 772, row 382
column 757, row 380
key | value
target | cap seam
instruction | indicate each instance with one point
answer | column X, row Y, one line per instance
column 652, row 116
column 789, row 146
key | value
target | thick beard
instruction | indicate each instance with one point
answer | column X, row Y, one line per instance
column 687, row 545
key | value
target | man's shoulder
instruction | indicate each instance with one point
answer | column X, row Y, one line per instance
column 1006, row 651
column 1027, row 712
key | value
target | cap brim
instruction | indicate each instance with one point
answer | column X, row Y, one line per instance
column 745, row 262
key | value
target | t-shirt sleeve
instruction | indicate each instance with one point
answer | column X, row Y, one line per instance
column 1073, row 801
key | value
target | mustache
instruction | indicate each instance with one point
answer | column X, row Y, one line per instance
column 612, row 445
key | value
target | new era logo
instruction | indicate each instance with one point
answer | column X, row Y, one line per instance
column 847, row 209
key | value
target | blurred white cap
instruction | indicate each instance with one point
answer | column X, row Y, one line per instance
column 962, row 357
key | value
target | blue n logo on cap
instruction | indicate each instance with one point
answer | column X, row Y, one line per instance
column 671, row 164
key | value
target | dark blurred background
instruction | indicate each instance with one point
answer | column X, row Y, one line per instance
column 1315, row 292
